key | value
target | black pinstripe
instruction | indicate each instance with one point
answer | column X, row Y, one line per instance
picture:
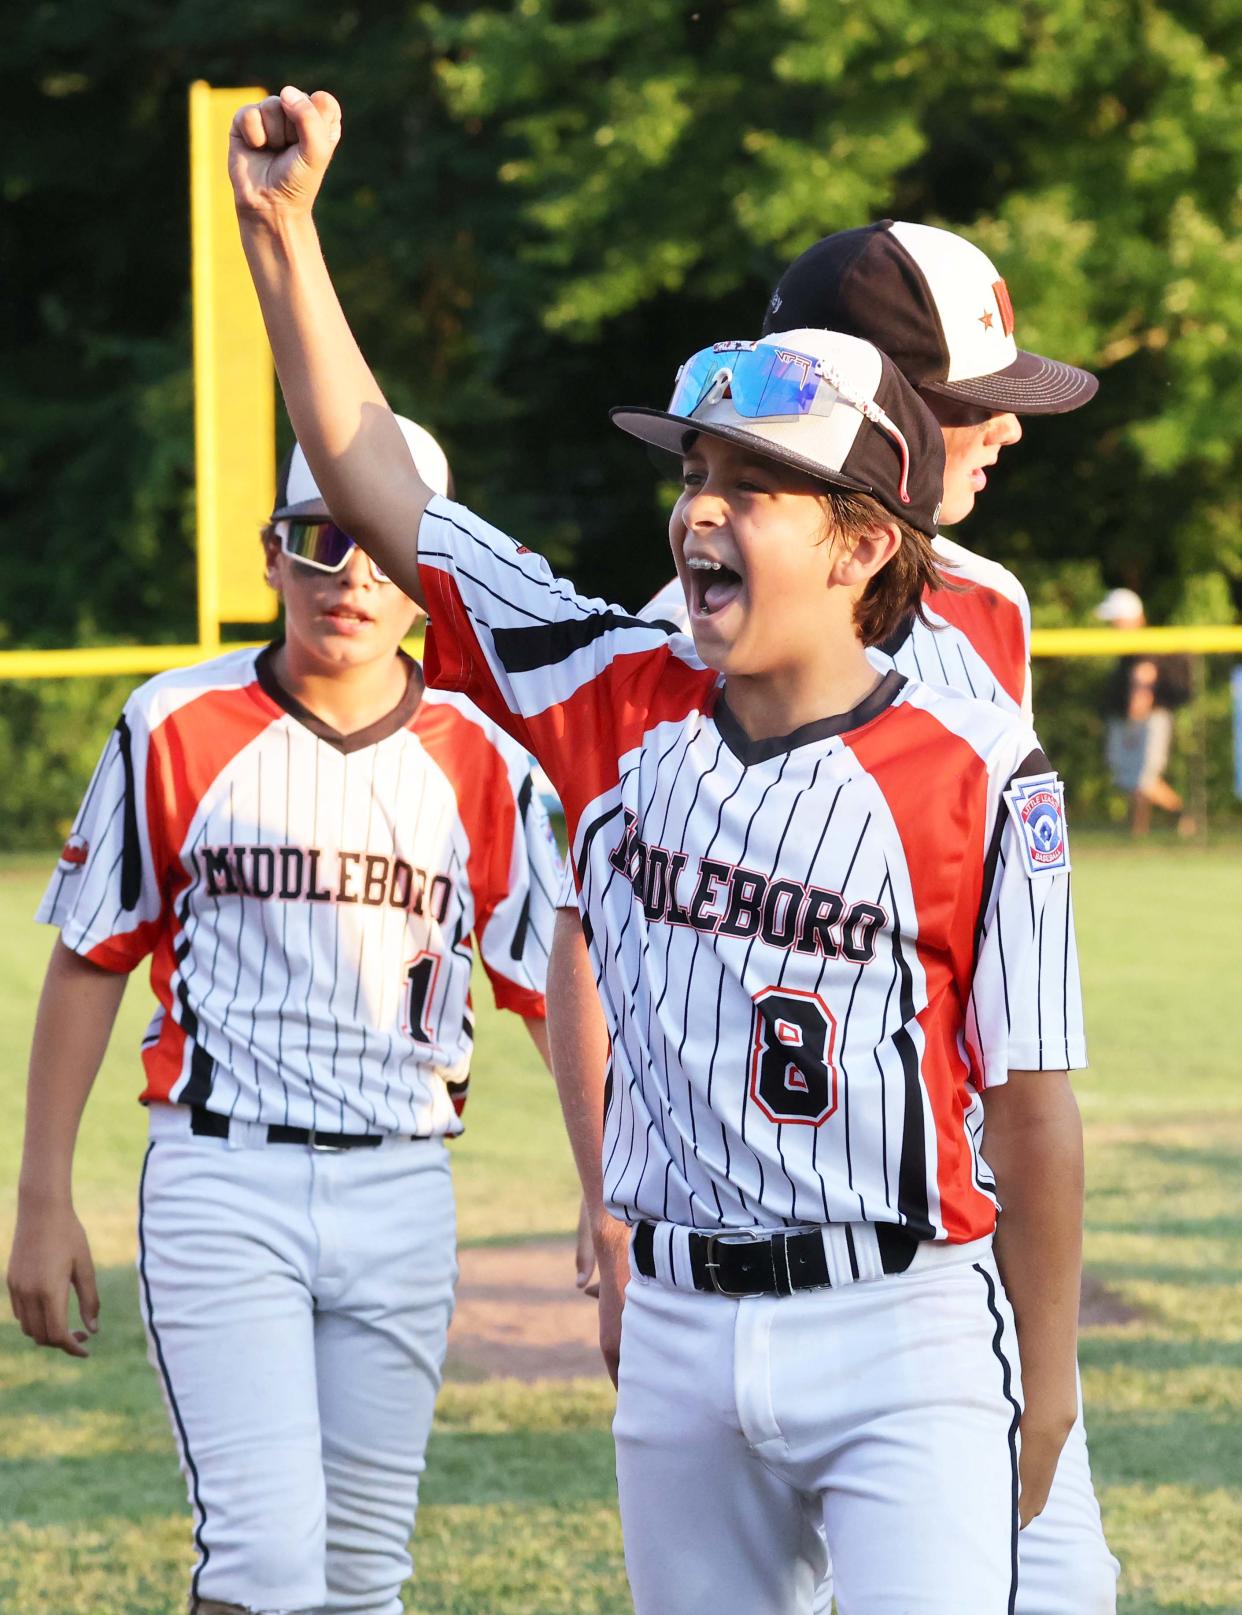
column 237, row 947
column 131, row 844
column 741, row 859
column 912, row 1172
column 1065, row 959
column 970, row 683
column 284, row 943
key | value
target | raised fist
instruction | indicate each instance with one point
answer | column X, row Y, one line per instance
column 279, row 151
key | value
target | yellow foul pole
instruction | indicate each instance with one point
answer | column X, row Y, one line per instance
column 234, row 390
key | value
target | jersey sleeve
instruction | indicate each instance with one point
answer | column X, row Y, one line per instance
column 514, row 926
column 1025, row 1006
column 107, row 895
column 571, row 679
column 668, row 607
column 567, row 897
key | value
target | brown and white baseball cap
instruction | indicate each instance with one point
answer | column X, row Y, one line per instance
column 937, row 306
column 826, row 403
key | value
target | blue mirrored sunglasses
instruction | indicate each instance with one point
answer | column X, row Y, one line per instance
column 320, row 543
column 761, row 381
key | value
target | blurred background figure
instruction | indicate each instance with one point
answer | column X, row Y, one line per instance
column 1146, row 692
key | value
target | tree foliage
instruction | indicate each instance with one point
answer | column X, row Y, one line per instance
column 541, row 206
column 684, row 152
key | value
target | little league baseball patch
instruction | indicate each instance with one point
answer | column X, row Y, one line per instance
column 1037, row 806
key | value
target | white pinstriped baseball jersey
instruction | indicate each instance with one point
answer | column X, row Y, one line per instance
column 309, row 899
column 976, row 640
column 812, row 952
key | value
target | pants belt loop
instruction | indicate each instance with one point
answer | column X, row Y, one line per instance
column 696, row 1262
column 837, row 1254
column 644, row 1255
column 206, row 1124
column 781, row 1276
column 672, row 1255
column 867, row 1251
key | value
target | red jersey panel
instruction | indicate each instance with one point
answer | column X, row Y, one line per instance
column 813, row 952
column 308, row 899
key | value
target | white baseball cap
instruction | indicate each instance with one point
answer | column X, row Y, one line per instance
column 825, row 403
column 1119, row 605
column 936, row 305
column 297, row 493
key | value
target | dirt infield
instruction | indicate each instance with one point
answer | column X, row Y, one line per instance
column 520, row 1317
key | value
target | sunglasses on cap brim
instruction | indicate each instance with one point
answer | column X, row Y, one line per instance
column 318, row 542
column 762, row 381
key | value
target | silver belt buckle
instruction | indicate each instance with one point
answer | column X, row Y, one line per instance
column 713, row 1267
column 324, row 1149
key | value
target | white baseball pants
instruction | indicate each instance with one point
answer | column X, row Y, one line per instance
column 885, row 1409
column 1064, row 1563
column 297, row 1303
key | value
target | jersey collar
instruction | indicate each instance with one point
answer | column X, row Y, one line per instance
column 390, row 724
column 749, row 751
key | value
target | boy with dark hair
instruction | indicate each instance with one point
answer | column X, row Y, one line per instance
column 830, row 911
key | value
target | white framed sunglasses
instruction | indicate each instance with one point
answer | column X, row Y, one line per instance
column 318, row 542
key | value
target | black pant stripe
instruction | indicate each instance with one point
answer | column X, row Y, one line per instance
column 1007, row 1390
column 204, row 1552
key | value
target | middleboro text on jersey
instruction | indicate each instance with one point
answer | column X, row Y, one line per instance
column 311, row 875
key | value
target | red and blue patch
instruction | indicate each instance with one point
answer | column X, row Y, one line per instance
column 73, row 855
column 1037, row 807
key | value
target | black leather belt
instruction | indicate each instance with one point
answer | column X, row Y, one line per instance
column 207, row 1124
column 772, row 1264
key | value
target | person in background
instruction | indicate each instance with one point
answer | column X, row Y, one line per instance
column 1145, row 694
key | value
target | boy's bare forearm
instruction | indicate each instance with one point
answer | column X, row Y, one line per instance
column 578, row 1040
column 77, row 1010
column 1033, row 1143
column 51, row 1254
column 579, row 1043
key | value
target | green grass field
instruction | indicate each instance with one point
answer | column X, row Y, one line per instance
column 519, row 1512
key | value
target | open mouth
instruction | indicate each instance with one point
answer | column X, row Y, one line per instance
column 713, row 585
column 346, row 619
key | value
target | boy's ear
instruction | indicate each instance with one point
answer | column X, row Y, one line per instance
column 271, row 549
column 870, row 553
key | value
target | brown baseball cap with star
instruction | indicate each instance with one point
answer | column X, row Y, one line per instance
column 937, row 306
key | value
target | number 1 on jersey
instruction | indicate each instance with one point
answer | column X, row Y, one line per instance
column 792, row 1077
column 419, row 980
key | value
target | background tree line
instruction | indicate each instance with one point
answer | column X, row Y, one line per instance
column 542, row 205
